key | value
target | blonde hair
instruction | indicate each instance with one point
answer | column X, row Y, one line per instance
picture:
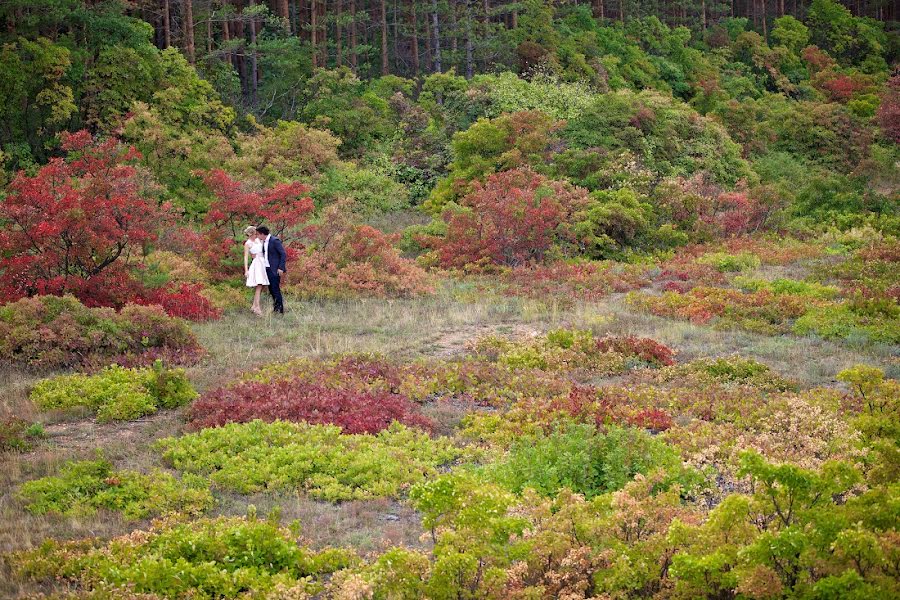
column 249, row 229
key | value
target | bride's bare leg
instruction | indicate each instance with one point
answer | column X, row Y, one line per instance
column 256, row 308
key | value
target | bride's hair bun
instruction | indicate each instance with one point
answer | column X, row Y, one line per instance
column 249, row 229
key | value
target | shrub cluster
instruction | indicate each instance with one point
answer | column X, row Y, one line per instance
column 580, row 458
column 117, row 393
column 18, row 435
column 355, row 411
column 207, row 558
column 81, row 488
column 54, row 332
column 567, row 282
column 317, row 459
column 184, row 301
column 569, row 350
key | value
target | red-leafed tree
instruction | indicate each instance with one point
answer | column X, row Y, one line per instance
column 513, row 218
column 72, row 227
column 282, row 208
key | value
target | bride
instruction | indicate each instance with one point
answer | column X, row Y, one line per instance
column 255, row 271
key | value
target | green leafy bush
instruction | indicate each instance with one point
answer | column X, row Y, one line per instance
column 208, row 558
column 317, row 459
column 852, row 323
column 730, row 263
column 83, row 487
column 117, row 393
column 582, row 459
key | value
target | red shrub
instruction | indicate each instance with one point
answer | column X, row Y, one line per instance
column 281, row 208
column 574, row 281
column 511, row 219
column 295, row 400
column 647, row 349
column 184, row 301
column 652, row 418
column 72, row 226
column 343, row 258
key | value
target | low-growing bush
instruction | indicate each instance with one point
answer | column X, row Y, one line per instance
column 729, row 370
column 574, row 350
column 18, row 435
column 184, row 301
column 317, row 459
column 761, row 312
column 725, row 262
column 567, row 282
column 117, row 393
column 847, row 321
column 582, row 459
column 208, row 558
column 54, row 332
column 354, row 411
column 787, row 286
column 345, row 259
column 81, row 488
column 479, row 381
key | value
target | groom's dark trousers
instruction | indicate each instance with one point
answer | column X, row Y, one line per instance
column 277, row 258
column 275, row 289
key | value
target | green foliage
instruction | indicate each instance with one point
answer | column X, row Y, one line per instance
column 117, row 393
column 18, row 435
column 582, row 459
column 83, row 487
column 317, row 459
column 369, row 191
column 726, row 262
column 860, row 322
column 225, row 557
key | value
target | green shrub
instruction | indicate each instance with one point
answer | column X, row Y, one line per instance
column 18, row 435
column 208, row 558
column 730, row 263
column 117, row 393
column 731, row 370
column 852, row 323
column 319, row 459
column 582, row 459
column 787, row 286
column 83, row 487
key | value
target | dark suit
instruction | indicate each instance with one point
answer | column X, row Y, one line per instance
column 277, row 259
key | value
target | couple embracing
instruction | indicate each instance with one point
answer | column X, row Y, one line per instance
column 268, row 265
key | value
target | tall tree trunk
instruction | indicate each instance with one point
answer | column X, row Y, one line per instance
column 281, row 10
column 338, row 34
column 429, row 46
column 437, row 36
column 622, row 10
column 414, row 25
column 254, row 64
column 353, row 57
column 314, row 33
column 167, row 26
column 384, row 39
column 188, row 17
column 765, row 25
column 703, row 14
column 209, row 35
column 469, row 56
column 396, row 27
column 515, row 19
column 454, row 28
column 597, row 6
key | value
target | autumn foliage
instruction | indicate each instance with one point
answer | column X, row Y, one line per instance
column 72, row 227
column 282, row 208
column 513, row 218
column 355, row 411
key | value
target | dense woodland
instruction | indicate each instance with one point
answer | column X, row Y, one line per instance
column 585, row 299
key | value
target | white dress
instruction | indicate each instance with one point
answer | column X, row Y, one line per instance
column 256, row 274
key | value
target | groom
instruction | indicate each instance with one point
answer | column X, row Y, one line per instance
column 276, row 265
